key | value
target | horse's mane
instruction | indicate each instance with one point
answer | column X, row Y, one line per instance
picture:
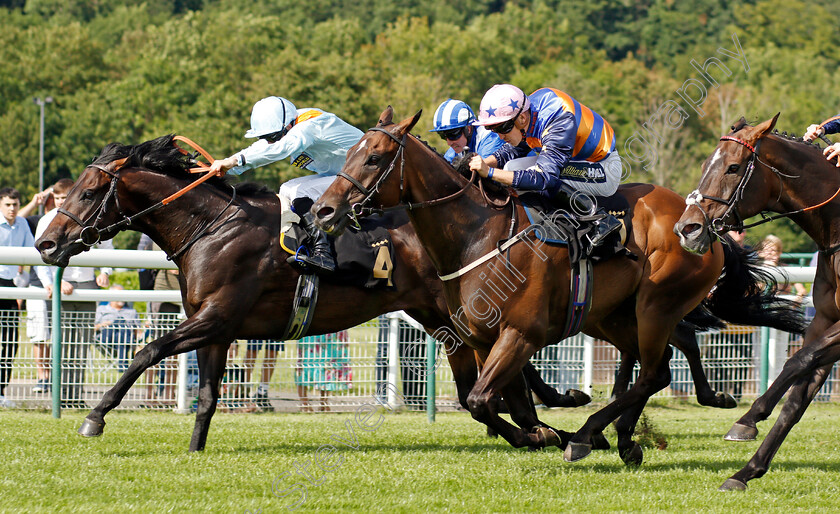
column 742, row 123
column 163, row 156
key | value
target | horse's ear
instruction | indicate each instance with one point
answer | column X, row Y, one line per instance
column 765, row 127
column 407, row 124
column 386, row 118
column 117, row 164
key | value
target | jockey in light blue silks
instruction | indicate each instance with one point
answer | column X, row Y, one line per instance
column 453, row 121
column 315, row 140
column 576, row 159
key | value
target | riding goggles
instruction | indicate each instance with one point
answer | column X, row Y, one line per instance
column 451, row 134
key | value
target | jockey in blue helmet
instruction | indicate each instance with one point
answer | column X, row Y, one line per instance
column 315, row 140
column 453, row 121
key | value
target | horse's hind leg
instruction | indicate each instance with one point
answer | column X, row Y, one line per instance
column 800, row 396
column 684, row 339
column 625, row 373
column 549, row 396
column 211, row 367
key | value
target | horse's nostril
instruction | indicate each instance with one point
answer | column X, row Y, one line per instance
column 45, row 245
column 690, row 228
column 325, row 213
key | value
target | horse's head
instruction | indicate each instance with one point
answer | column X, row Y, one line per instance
column 371, row 177
column 720, row 201
column 90, row 205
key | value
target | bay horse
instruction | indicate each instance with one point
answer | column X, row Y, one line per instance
column 751, row 171
column 236, row 282
column 508, row 311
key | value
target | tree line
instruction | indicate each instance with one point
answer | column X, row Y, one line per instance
column 128, row 72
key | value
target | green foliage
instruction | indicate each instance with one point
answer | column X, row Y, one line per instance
column 127, row 71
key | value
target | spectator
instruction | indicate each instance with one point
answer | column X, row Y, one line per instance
column 38, row 311
column 14, row 231
column 163, row 318
column 323, row 364
column 117, row 327
column 76, row 329
column 770, row 251
column 260, row 395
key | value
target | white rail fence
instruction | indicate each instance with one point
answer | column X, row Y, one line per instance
column 332, row 372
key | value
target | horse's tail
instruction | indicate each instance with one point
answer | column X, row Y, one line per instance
column 746, row 294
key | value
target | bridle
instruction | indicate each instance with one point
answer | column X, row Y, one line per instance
column 91, row 234
column 361, row 208
column 718, row 225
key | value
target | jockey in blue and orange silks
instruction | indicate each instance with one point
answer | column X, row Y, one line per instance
column 576, row 150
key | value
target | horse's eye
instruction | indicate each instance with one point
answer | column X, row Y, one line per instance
column 733, row 168
column 87, row 194
column 373, row 160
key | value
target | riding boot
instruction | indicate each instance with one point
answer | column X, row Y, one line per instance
column 320, row 254
column 602, row 223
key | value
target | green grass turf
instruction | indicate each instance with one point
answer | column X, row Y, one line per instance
column 405, row 465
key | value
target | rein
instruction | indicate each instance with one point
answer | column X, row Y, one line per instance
column 90, row 234
column 718, row 225
column 360, row 209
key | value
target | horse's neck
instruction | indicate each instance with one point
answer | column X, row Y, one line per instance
column 172, row 225
column 813, row 181
column 457, row 231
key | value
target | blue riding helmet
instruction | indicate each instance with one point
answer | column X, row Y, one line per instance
column 452, row 114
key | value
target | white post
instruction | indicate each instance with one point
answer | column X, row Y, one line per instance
column 588, row 363
column 181, row 394
column 393, row 357
column 778, row 352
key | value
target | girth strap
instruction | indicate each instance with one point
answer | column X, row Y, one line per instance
column 303, row 307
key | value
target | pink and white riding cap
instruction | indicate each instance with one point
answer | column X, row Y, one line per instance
column 501, row 103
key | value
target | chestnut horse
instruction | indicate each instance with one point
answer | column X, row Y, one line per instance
column 753, row 170
column 236, row 282
column 509, row 308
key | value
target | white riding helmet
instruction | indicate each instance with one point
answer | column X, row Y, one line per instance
column 501, row 103
column 271, row 115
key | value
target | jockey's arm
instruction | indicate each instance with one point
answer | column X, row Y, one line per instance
column 558, row 140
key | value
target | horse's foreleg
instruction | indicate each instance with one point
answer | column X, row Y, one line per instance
column 203, row 329
column 211, row 367
column 503, row 364
column 464, row 371
column 801, row 395
column 684, row 339
column 814, row 354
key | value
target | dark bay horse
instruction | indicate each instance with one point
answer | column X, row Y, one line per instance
column 237, row 283
column 509, row 308
column 753, row 170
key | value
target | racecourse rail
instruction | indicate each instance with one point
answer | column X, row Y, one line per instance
column 769, row 361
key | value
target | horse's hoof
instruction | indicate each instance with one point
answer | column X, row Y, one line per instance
column 548, row 435
column 740, row 432
column 725, row 401
column 91, row 428
column 579, row 397
column 576, row 451
column 634, row 456
column 733, row 484
column 599, row 442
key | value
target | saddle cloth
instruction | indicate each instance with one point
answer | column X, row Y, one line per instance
column 364, row 258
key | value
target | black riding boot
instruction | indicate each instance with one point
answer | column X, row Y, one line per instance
column 320, row 254
column 603, row 223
